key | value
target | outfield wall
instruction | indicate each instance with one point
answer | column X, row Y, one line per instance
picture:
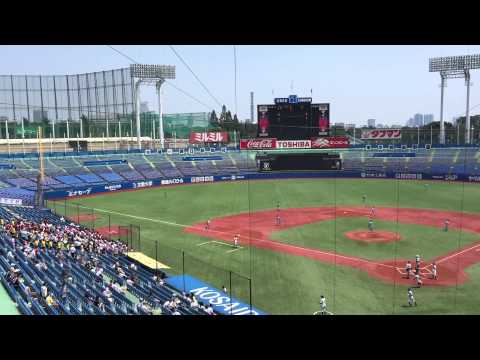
column 136, row 185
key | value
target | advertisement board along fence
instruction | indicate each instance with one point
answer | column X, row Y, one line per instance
column 381, row 134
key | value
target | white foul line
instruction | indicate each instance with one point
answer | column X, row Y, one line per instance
column 459, row 253
column 204, row 243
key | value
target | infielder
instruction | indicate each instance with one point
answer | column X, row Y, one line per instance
column 370, row 224
column 235, row 240
column 445, row 225
column 417, row 261
column 418, row 279
column 207, row 225
column 434, row 270
column 278, row 220
column 408, row 269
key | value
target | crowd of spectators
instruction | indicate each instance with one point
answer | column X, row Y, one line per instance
column 72, row 238
column 83, row 246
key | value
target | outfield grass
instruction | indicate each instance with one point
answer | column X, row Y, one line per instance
column 283, row 283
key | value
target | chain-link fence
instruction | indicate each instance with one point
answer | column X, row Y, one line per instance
column 420, row 136
column 175, row 261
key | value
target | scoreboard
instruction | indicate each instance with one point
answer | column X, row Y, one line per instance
column 298, row 161
column 293, row 118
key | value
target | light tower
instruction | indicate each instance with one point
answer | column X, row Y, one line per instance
column 152, row 75
column 452, row 67
column 252, row 114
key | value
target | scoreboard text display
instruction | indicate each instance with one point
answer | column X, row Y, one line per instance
column 298, row 161
column 293, row 118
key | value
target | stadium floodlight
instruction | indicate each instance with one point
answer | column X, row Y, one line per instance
column 451, row 67
column 156, row 74
column 454, row 63
column 153, row 72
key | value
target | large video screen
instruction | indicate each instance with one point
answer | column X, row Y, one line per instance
column 293, row 121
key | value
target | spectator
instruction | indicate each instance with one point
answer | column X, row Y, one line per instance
column 50, row 301
column 44, row 291
column 194, row 303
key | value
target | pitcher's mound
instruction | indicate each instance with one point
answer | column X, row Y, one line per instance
column 373, row 236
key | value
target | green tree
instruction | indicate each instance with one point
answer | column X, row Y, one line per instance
column 461, row 124
column 213, row 121
column 228, row 124
column 223, row 115
column 86, row 125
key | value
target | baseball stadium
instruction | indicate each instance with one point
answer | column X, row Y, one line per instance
column 299, row 217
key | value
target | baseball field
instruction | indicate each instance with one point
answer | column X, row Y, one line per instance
column 320, row 244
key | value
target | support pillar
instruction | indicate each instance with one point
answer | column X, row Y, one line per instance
column 161, row 135
column 137, row 111
column 467, row 113
column 442, row 126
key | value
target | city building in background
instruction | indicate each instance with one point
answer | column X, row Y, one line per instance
column 371, row 123
column 144, row 107
column 40, row 115
column 418, row 120
column 81, row 105
column 427, row 119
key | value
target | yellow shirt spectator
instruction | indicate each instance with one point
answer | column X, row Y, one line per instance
column 50, row 300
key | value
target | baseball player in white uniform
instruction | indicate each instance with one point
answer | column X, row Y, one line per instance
column 411, row 298
column 418, row 279
column 235, row 240
column 323, row 305
column 408, row 269
column 434, row 270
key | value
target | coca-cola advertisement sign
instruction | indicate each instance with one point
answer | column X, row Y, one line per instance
column 251, row 144
column 208, row 137
column 330, row 142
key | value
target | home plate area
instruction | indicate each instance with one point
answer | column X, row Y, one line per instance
column 424, row 272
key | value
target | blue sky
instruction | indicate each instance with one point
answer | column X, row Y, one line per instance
column 388, row 83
